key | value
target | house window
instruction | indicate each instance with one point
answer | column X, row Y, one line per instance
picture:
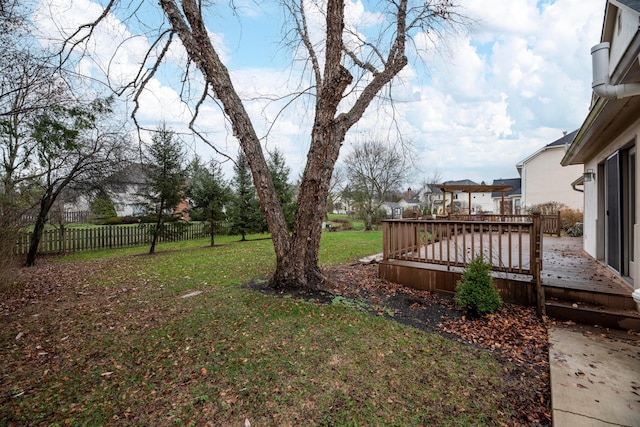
column 139, row 210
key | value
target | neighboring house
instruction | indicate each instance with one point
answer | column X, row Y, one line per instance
column 607, row 142
column 127, row 189
column 341, row 205
column 545, row 180
column 411, row 200
column 512, row 198
column 428, row 194
column 482, row 202
column 392, row 209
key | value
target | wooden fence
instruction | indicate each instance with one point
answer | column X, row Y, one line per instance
column 63, row 240
column 59, row 217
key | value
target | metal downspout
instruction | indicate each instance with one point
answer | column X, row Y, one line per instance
column 601, row 84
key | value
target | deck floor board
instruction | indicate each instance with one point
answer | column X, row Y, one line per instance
column 566, row 265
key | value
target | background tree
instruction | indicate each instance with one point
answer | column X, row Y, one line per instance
column 165, row 176
column 209, row 192
column 102, row 206
column 375, row 171
column 12, row 19
column 347, row 72
column 245, row 212
column 74, row 149
column 280, row 177
column 336, row 188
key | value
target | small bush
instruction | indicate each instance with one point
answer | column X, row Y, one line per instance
column 102, row 207
column 575, row 230
column 475, row 292
column 341, row 224
column 569, row 218
column 547, row 208
column 130, row 220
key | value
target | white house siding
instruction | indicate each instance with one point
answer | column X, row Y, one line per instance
column 481, row 202
column 545, row 180
column 594, row 224
column 129, row 202
column 625, row 28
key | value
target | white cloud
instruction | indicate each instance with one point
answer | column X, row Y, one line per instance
column 519, row 79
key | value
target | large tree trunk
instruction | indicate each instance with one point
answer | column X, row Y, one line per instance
column 301, row 268
column 296, row 255
column 195, row 38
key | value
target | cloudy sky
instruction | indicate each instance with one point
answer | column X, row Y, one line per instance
column 471, row 107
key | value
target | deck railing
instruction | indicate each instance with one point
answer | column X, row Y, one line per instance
column 551, row 223
column 511, row 246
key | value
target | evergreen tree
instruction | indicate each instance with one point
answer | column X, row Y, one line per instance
column 245, row 212
column 165, row 175
column 209, row 192
column 102, row 206
column 475, row 291
column 280, row 176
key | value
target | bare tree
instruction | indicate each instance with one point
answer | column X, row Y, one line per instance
column 28, row 89
column 429, row 190
column 338, row 179
column 348, row 72
column 375, row 170
column 74, row 147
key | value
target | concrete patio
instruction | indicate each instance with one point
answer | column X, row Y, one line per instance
column 595, row 377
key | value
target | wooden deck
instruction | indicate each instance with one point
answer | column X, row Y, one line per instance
column 569, row 274
column 571, row 286
column 431, row 255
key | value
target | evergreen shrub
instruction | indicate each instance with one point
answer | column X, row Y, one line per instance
column 475, row 292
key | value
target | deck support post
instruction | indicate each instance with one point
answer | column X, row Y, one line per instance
column 536, row 258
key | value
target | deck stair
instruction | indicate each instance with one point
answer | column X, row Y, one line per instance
column 583, row 290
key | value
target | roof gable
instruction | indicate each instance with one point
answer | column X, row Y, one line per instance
column 631, row 4
column 515, row 183
column 565, row 141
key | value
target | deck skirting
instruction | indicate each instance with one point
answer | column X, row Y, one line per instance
column 518, row 289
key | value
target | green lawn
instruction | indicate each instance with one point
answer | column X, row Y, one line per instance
column 114, row 343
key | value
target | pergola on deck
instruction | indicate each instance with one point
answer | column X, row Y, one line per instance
column 470, row 189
